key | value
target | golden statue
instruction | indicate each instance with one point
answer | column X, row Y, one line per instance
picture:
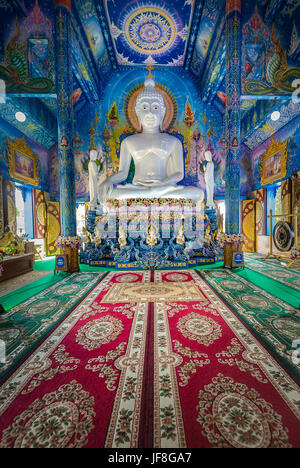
column 152, row 238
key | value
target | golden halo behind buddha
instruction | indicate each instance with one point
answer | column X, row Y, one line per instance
column 170, row 105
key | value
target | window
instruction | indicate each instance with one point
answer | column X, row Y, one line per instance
column 80, row 218
column 221, row 209
column 278, row 203
column 20, row 211
column 274, row 204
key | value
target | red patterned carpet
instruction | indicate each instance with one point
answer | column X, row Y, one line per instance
column 182, row 371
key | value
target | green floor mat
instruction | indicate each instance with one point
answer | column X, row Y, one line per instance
column 22, row 294
column 274, row 321
column 273, row 270
column 284, row 292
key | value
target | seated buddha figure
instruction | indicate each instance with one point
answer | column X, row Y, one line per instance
column 158, row 157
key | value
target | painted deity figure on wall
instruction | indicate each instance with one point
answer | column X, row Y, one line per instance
column 93, row 179
column 209, row 180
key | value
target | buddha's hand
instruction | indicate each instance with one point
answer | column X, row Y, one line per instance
column 150, row 183
column 105, row 191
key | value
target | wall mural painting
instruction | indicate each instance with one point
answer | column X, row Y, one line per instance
column 27, row 64
column 278, row 158
column 248, row 224
column 23, row 159
column 104, row 126
column 87, row 137
column 246, row 176
column 296, row 202
column 191, row 123
column 274, row 162
column 269, row 63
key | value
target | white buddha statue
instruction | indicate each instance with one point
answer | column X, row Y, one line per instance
column 209, row 180
column 158, row 157
column 93, row 179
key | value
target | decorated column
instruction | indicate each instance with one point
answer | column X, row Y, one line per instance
column 68, row 241
column 232, row 115
column 64, row 82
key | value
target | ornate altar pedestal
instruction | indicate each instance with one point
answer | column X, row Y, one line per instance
column 69, row 247
column 73, row 258
column 151, row 237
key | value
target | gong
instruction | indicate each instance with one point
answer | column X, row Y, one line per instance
column 283, row 236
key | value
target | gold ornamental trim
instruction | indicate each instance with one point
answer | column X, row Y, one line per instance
column 274, row 162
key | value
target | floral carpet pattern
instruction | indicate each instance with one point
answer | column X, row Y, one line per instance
column 273, row 320
column 150, row 374
column 273, row 269
column 152, row 292
column 24, row 325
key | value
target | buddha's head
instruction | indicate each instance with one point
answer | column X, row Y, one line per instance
column 150, row 108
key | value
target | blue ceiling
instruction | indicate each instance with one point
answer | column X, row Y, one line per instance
column 111, row 35
column 181, row 34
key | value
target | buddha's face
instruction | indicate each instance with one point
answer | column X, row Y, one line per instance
column 150, row 113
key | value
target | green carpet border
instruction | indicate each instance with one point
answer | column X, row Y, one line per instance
column 285, row 293
column 292, row 281
column 15, row 298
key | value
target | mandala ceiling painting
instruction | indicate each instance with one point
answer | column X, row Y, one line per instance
column 149, row 32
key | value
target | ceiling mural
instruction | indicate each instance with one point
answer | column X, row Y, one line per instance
column 88, row 16
column 153, row 32
column 210, row 15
